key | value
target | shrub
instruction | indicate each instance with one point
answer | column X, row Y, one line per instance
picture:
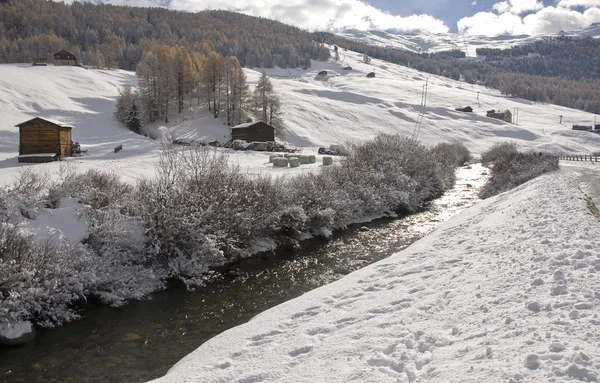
column 514, row 169
column 39, row 280
column 94, row 187
column 498, row 151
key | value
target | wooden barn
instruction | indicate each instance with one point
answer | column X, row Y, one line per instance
column 586, row 128
column 44, row 140
column 505, row 116
column 253, row 131
column 65, row 57
column 39, row 61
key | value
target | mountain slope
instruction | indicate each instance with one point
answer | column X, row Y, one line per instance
column 343, row 106
column 430, row 42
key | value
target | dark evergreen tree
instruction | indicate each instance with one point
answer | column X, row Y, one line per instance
column 133, row 119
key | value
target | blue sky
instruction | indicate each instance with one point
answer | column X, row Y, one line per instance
column 475, row 17
column 448, row 11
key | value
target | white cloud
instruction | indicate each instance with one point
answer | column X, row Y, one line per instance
column 578, row 3
column 308, row 14
column 518, row 6
column 474, row 2
column 506, row 18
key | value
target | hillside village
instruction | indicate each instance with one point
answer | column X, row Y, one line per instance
column 131, row 181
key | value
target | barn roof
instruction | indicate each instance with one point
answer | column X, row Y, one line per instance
column 55, row 122
column 245, row 125
column 64, row 51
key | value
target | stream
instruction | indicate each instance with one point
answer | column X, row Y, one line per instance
column 142, row 340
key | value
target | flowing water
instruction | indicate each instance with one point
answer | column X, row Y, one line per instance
column 142, row 340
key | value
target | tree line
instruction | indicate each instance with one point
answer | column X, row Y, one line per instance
column 117, row 36
column 170, row 76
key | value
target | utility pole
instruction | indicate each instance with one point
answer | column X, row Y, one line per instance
column 425, row 98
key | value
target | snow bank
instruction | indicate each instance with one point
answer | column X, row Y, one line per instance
column 16, row 333
column 65, row 221
column 505, row 291
column 15, row 330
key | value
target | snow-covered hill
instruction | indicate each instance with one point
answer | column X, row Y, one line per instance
column 503, row 292
column 343, row 106
column 435, row 42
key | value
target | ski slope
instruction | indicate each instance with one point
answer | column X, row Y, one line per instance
column 341, row 107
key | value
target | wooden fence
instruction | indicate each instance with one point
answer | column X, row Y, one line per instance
column 578, row 157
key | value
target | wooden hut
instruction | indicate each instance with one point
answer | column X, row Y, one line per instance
column 44, row 140
column 586, row 128
column 39, row 61
column 64, row 57
column 253, row 131
column 505, row 116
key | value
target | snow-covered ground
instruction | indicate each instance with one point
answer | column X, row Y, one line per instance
column 343, row 106
column 505, row 291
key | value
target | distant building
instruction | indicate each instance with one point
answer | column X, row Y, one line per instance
column 40, row 61
column 44, row 140
column 253, row 131
column 65, row 57
column 505, row 116
column 467, row 109
column 586, row 128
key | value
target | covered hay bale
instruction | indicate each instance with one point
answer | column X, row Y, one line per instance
column 283, row 162
column 304, row 159
column 273, row 156
column 327, row 160
column 312, row 159
column 294, row 162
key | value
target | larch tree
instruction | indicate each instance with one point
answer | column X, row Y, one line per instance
column 236, row 91
column 267, row 106
column 183, row 71
column 212, row 79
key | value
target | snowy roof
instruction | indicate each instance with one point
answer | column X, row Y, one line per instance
column 245, row 125
column 55, row 122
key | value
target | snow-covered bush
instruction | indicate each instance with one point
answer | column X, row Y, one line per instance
column 40, row 280
column 448, row 156
column 513, row 169
column 23, row 197
column 94, row 187
column 497, row 151
column 199, row 212
column 123, row 270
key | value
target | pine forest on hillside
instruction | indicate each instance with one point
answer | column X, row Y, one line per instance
column 116, row 36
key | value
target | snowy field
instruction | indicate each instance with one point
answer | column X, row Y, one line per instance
column 504, row 292
column 342, row 107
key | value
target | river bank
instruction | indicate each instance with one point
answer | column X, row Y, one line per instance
column 502, row 292
column 144, row 339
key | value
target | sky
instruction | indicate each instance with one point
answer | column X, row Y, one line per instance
column 480, row 17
